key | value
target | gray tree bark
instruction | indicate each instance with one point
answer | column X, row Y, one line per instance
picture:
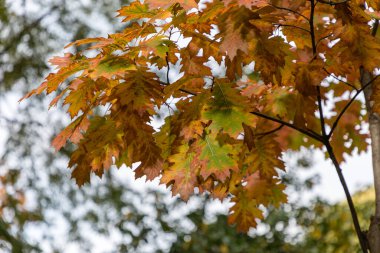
column 373, row 235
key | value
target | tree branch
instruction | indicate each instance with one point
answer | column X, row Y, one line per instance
column 311, row 23
column 335, row 124
column 309, row 133
column 183, row 90
column 375, row 28
column 320, row 108
column 290, row 10
column 326, row 141
column 314, row 46
column 168, row 71
column 332, row 3
column 354, row 215
column 271, row 131
column 312, row 135
column 167, row 61
column 335, row 77
column 293, row 26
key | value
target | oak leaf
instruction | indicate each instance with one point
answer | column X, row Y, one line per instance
column 186, row 4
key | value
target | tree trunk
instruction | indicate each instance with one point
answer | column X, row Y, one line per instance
column 373, row 235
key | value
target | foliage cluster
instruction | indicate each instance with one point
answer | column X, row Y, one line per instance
column 228, row 130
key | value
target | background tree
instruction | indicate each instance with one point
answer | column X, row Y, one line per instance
column 316, row 227
column 327, row 227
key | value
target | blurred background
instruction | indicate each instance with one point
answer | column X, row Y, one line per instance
column 42, row 210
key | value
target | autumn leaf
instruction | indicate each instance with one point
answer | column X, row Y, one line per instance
column 244, row 212
column 248, row 3
column 237, row 83
column 233, row 41
column 265, row 156
column 214, row 158
column 182, row 173
column 61, row 62
column 227, row 111
column 136, row 10
column 186, row 4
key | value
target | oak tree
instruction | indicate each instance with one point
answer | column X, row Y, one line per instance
column 281, row 64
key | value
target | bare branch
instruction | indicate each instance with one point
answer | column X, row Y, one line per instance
column 290, row 10
column 271, row 131
column 335, row 77
column 326, row 138
column 183, row 90
column 335, row 124
column 375, row 28
column 324, row 37
column 167, row 60
column 293, row 26
column 320, row 108
column 332, row 3
column 312, row 135
column 314, row 46
column 354, row 215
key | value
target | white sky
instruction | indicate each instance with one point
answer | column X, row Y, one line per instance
column 357, row 172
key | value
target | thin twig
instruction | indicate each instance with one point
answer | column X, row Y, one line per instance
column 293, row 26
column 324, row 37
column 169, row 107
column 188, row 92
column 290, row 10
column 340, row 80
column 375, row 28
column 183, row 90
column 335, row 124
column 312, row 135
column 332, row 3
column 168, row 71
column 320, row 108
column 167, row 61
column 212, row 84
column 271, row 131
